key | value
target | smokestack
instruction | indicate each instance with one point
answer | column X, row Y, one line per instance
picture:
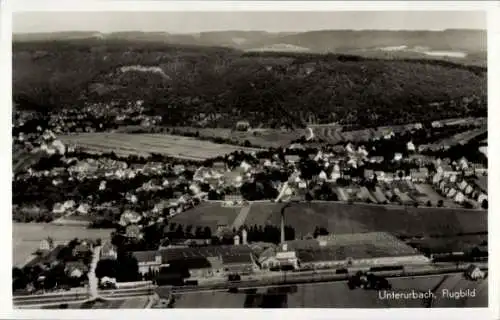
column 244, row 236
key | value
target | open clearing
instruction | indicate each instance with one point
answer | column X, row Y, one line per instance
column 26, row 237
column 337, row 295
column 208, row 214
column 146, row 144
column 266, row 138
column 354, row 218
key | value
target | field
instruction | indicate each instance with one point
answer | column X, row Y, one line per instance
column 266, row 138
column 208, row 214
column 354, row 218
column 462, row 137
column 26, row 237
column 146, row 144
column 21, row 160
column 337, row 295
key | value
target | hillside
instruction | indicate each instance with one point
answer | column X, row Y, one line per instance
column 225, row 85
column 471, row 43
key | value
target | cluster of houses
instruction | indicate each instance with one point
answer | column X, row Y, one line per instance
column 72, row 258
column 462, row 182
column 95, row 117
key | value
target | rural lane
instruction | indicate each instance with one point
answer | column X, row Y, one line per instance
column 93, row 281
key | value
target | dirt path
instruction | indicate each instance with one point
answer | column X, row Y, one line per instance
column 242, row 216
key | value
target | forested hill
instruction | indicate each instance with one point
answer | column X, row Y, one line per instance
column 225, row 85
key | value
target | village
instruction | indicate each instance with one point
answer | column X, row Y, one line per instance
column 140, row 198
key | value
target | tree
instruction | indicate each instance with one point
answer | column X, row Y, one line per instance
column 128, row 268
column 179, row 232
column 429, row 203
column 440, row 203
column 484, row 204
column 199, row 234
column 106, row 268
column 323, row 231
column 316, row 232
column 207, row 233
column 189, row 231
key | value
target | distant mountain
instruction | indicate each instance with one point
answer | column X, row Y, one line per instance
column 350, row 40
column 321, row 41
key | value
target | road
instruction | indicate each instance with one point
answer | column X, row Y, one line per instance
column 93, row 281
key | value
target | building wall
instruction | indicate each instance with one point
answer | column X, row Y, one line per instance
column 238, row 268
column 385, row 261
column 145, row 266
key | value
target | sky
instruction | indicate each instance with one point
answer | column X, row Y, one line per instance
column 192, row 22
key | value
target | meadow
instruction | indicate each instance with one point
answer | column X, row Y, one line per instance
column 147, row 144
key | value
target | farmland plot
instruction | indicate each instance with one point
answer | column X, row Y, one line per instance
column 353, row 218
column 146, row 144
column 208, row 214
column 266, row 138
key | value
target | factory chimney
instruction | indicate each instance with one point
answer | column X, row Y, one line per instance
column 244, row 236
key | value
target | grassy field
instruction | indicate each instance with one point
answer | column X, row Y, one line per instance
column 337, row 295
column 144, row 144
column 21, row 160
column 26, row 237
column 345, row 218
column 208, row 214
column 266, row 138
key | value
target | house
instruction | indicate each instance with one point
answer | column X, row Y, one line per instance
column 481, row 197
column 468, row 190
column 419, row 175
column 462, row 185
column 245, row 166
column 451, row 193
column 133, row 231
column 242, row 126
column 108, row 252
column 59, row 208
column 75, row 269
column 219, row 166
column 46, row 244
column 368, row 174
column 473, row 272
column 129, row 217
column 446, row 170
column 459, row 197
column 83, row 209
column 147, row 261
column 322, row 175
column 463, row 164
column 436, row 124
column 398, row 156
column 233, row 198
column 410, row 146
column 240, row 263
column 376, row 159
column 292, row 158
column 82, row 250
column 384, row 176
